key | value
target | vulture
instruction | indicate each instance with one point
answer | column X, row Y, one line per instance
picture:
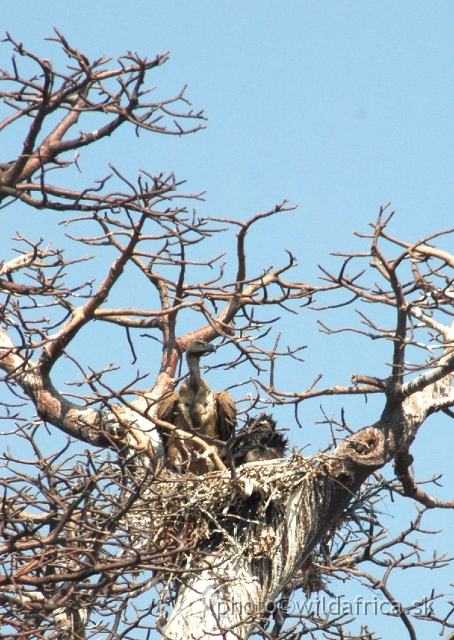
column 259, row 440
column 198, row 410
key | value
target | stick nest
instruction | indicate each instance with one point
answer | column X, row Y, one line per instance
column 189, row 511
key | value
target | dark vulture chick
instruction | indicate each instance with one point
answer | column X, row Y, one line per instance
column 259, row 440
column 196, row 409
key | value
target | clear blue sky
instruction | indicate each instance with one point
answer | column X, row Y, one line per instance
column 338, row 106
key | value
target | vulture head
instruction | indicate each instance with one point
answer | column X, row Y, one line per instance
column 199, row 348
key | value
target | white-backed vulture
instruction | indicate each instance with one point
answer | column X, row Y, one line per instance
column 259, row 440
column 198, row 410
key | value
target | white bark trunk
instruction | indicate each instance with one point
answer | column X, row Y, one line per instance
column 219, row 602
column 226, row 599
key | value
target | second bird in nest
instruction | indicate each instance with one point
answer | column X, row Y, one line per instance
column 259, row 440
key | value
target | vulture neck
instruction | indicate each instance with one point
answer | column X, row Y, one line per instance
column 195, row 379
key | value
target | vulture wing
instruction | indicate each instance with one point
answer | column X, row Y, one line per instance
column 226, row 414
column 175, row 450
column 167, row 407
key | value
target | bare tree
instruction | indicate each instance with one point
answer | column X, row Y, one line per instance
column 108, row 542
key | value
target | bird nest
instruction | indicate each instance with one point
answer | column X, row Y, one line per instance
column 176, row 509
